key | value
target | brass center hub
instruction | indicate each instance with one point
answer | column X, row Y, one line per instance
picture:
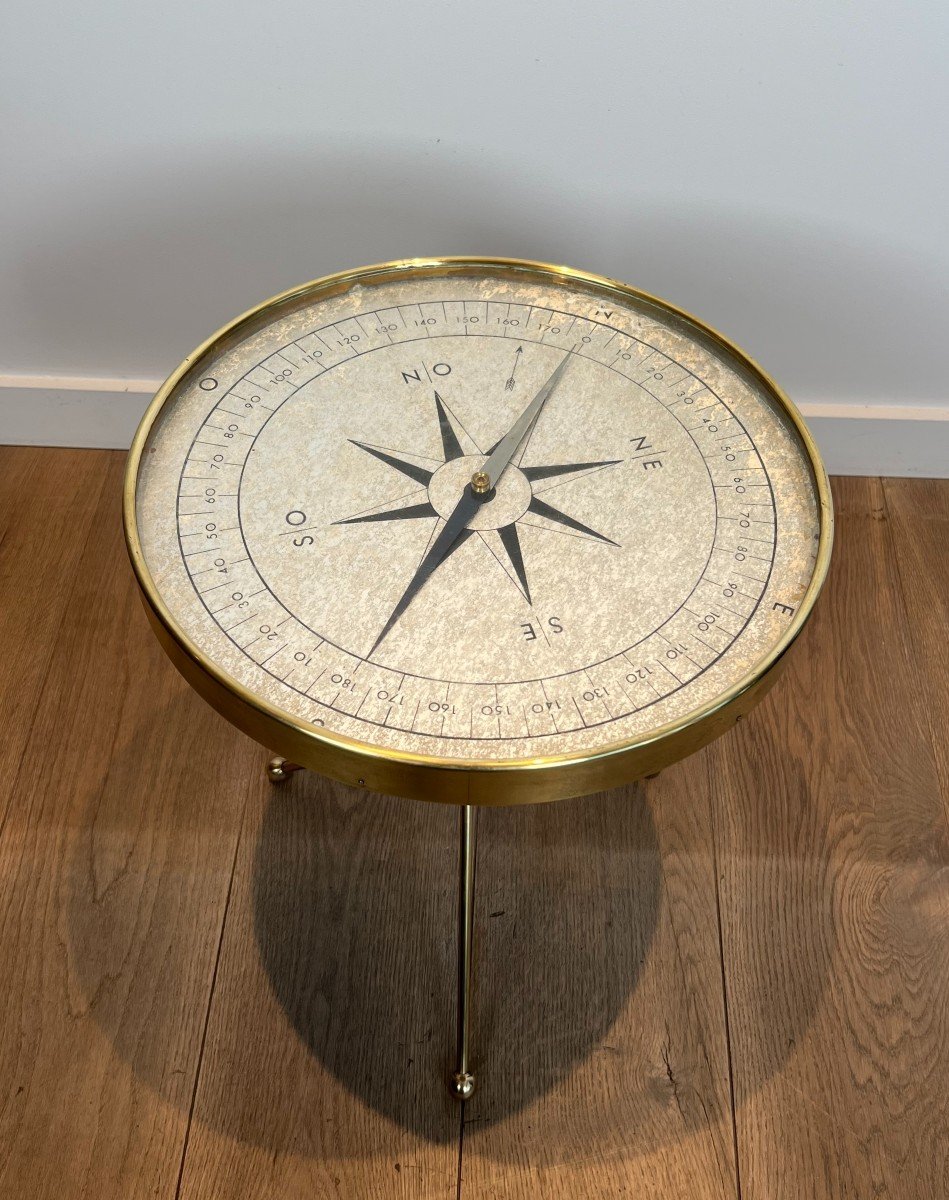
column 501, row 505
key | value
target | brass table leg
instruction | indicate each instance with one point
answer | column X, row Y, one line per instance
column 463, row 1081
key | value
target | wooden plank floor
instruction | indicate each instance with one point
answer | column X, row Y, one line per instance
column 732, row 981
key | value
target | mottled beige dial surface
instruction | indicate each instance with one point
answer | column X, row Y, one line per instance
column 645, row 551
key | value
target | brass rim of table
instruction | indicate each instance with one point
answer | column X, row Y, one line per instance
column 431, row 777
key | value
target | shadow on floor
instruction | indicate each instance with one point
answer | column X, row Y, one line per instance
column 339, row 953
column 360, row 954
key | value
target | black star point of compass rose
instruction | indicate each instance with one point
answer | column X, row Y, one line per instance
column 507, row 546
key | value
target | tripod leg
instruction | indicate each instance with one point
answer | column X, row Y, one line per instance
column 463, row 1082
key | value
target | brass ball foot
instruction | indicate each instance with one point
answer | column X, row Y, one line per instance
column 279, row 770
column 462, row 1085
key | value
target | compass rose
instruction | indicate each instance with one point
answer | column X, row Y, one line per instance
column 514, row 501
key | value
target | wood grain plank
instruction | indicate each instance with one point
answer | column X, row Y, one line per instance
column 599, row 1028
column 48, row 499
column 327, row 1051
column 918, row 512
column 115, row 861
column 833, row 853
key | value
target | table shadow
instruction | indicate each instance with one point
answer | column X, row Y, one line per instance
column 361, row 955
column 344, row 911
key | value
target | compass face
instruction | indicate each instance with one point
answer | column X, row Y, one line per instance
column 306, row 514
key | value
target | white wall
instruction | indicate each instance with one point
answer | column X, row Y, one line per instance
column 779, row 168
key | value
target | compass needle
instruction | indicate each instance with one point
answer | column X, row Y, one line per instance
column 505, row 449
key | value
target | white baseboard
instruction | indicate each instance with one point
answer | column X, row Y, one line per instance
column 855, row 439
column 54, row 410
